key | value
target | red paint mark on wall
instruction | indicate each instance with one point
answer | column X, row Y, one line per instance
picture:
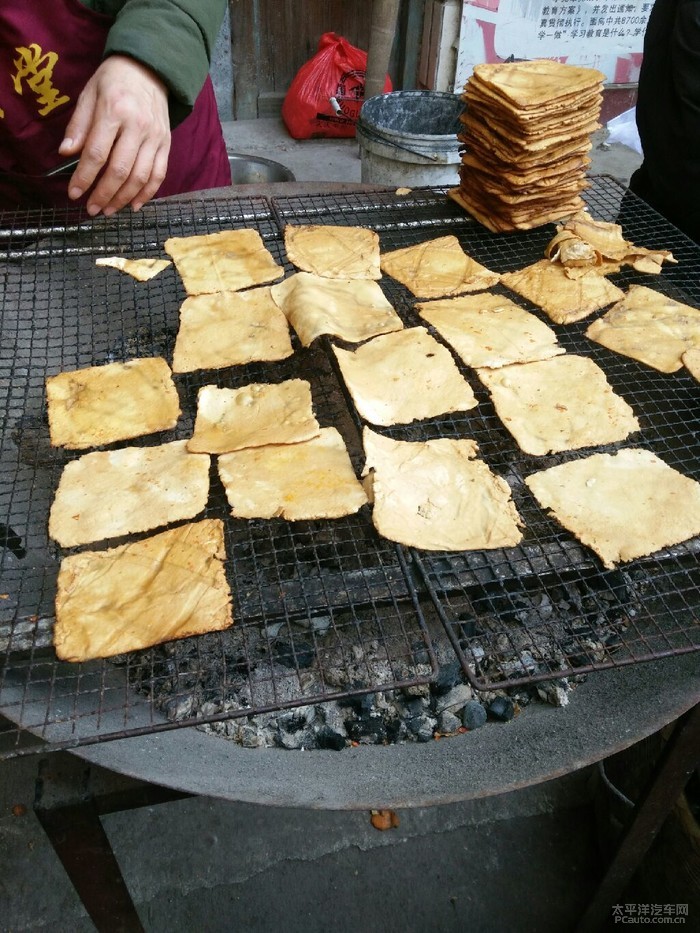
column 491, row 5
column 627, row 68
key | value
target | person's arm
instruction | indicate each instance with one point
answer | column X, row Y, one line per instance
column 156, row 60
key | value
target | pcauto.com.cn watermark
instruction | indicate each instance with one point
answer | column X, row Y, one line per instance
column 650, row 913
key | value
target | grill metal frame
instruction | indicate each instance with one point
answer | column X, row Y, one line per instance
column 332, row 592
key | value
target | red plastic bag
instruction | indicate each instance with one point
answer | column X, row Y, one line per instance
column 336, row 70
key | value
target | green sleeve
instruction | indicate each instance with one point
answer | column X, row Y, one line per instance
column 174, row 38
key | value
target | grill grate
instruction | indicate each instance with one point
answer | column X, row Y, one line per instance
column 323, row 609
column 545, row 609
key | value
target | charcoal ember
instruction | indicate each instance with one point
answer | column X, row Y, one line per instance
column 415, row 706
column 420, row 653
column 613, row 641
column 501, row 708
column 179, row 708
column 478, row 653
column 520, row 666
column 368, row 728
column 468, row 628
column 247, row 734
column 473, row 715
column 332, row 716
column 361, row 703
column 295, row 741
column 448, row 676
column 330, row 739
column 422, row 727
column 555, row 692
column 276, row 685
column 448, row 723
column 317, row 624
column 295, row 729
column 300, row 654
column 454, row 700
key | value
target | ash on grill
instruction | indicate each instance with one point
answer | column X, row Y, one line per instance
column 531, row 637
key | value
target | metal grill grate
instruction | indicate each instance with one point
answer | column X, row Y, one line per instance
column 323, row 609
column 545, row 608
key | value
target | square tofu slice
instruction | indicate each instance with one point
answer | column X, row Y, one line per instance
column 623, row 505
column 353, row 310
column 564, row 300
column 229, row 329
column 489, row 331
column 560, row 404
column 253, row 416
column 106, row 494
column 402, row 377
column 649, row 327
column 437, row 495
column 333, row 252
column 218, row 262
column 144, row 593
column 102, row 404
column 312, row 479
column 437, row 268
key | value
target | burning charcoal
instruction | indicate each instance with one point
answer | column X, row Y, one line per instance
column 468, row 628
column 555, row 692
column 415, row 706
column 330, row 739
column 502, row 708
column 613, row 641
column 417, row 690
column 250, row 737
column 454, row 700
column 332, row 716
column 360, row 703
column 477, row 652
column 419, row 653
column 422, row 727
column 300, row 655
column 448, row 675
column 473, row 715
column 180, row 707
column 368, row 729
column 294, row 729
column 448, row 723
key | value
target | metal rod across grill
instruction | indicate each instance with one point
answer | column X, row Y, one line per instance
column 323, row 609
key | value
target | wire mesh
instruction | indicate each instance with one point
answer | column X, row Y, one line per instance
column 322, row 609
column 548, row 608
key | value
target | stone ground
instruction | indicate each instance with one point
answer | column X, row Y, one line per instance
column 524, row 862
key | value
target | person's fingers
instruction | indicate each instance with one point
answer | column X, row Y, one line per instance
column 120, row 127
column 80, row 122
column 123, row 162
column 93, row 158
column 160, row 168
column 145, row 178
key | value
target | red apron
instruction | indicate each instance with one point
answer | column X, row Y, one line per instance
column 45, row 61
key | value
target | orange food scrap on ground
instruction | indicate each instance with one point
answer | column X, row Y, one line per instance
column 384, row 819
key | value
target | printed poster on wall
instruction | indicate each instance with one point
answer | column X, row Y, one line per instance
column 598, row 34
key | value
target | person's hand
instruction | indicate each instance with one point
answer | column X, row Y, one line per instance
column 121, row 124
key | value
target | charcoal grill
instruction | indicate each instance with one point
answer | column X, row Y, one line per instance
column 314, row 601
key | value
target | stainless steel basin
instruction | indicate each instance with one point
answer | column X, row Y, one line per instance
column 253, row 170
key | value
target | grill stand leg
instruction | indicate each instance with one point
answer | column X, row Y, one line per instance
column 69, row 813
column 680, row 757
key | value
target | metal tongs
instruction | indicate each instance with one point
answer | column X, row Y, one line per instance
column 65, row 168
